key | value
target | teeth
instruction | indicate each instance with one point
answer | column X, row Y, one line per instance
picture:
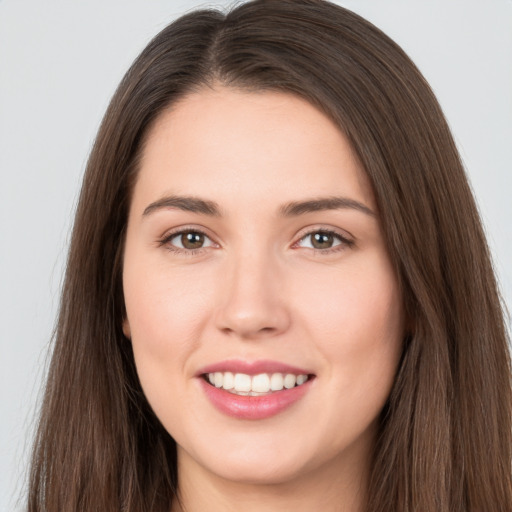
column 263, row 383
column 289, row 381
column 242, row 382
column 276, row 382
column 229, row 381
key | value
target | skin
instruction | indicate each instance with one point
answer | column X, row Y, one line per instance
column 258, row 289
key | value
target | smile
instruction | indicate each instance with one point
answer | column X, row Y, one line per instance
column 254, row 390
column 262, row 384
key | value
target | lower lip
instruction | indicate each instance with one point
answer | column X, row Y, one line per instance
column 254, row 407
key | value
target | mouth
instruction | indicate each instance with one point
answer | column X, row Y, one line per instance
column 254, row 390
column 262, row 384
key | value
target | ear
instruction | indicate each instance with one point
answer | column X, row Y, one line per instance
column 126, row 328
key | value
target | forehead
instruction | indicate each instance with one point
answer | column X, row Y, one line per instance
column 256, row 145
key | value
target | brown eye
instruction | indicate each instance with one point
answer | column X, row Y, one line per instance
column 192, row 240
column 188, row 241
column 322, row 240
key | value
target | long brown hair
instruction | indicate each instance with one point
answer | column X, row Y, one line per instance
column 444, row 443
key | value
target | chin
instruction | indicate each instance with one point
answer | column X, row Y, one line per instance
column 266, row 472
column 251, row 464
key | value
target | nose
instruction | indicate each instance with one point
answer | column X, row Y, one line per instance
column 254, row 304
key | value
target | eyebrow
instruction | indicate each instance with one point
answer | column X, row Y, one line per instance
column 186, row 203
column 323, row 203
column 291, row 209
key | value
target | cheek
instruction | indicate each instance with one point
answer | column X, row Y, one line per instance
column 166, row 312
column 358, row 325
column 358, row 329
column 165, row 308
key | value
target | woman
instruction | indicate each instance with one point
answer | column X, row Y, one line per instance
column 278, row 292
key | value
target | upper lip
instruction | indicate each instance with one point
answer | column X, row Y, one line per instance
column 252, row 367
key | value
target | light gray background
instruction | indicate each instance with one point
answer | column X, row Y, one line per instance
column 60, row 62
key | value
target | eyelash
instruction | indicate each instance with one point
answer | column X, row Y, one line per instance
column 165, row 241
column 344, row 241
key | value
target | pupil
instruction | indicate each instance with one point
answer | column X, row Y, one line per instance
column 192, row 240
column 322, row 240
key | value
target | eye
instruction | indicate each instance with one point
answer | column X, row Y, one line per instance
column 323, row 240
column 188, row 240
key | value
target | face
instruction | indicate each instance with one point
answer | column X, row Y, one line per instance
column 264, row 313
